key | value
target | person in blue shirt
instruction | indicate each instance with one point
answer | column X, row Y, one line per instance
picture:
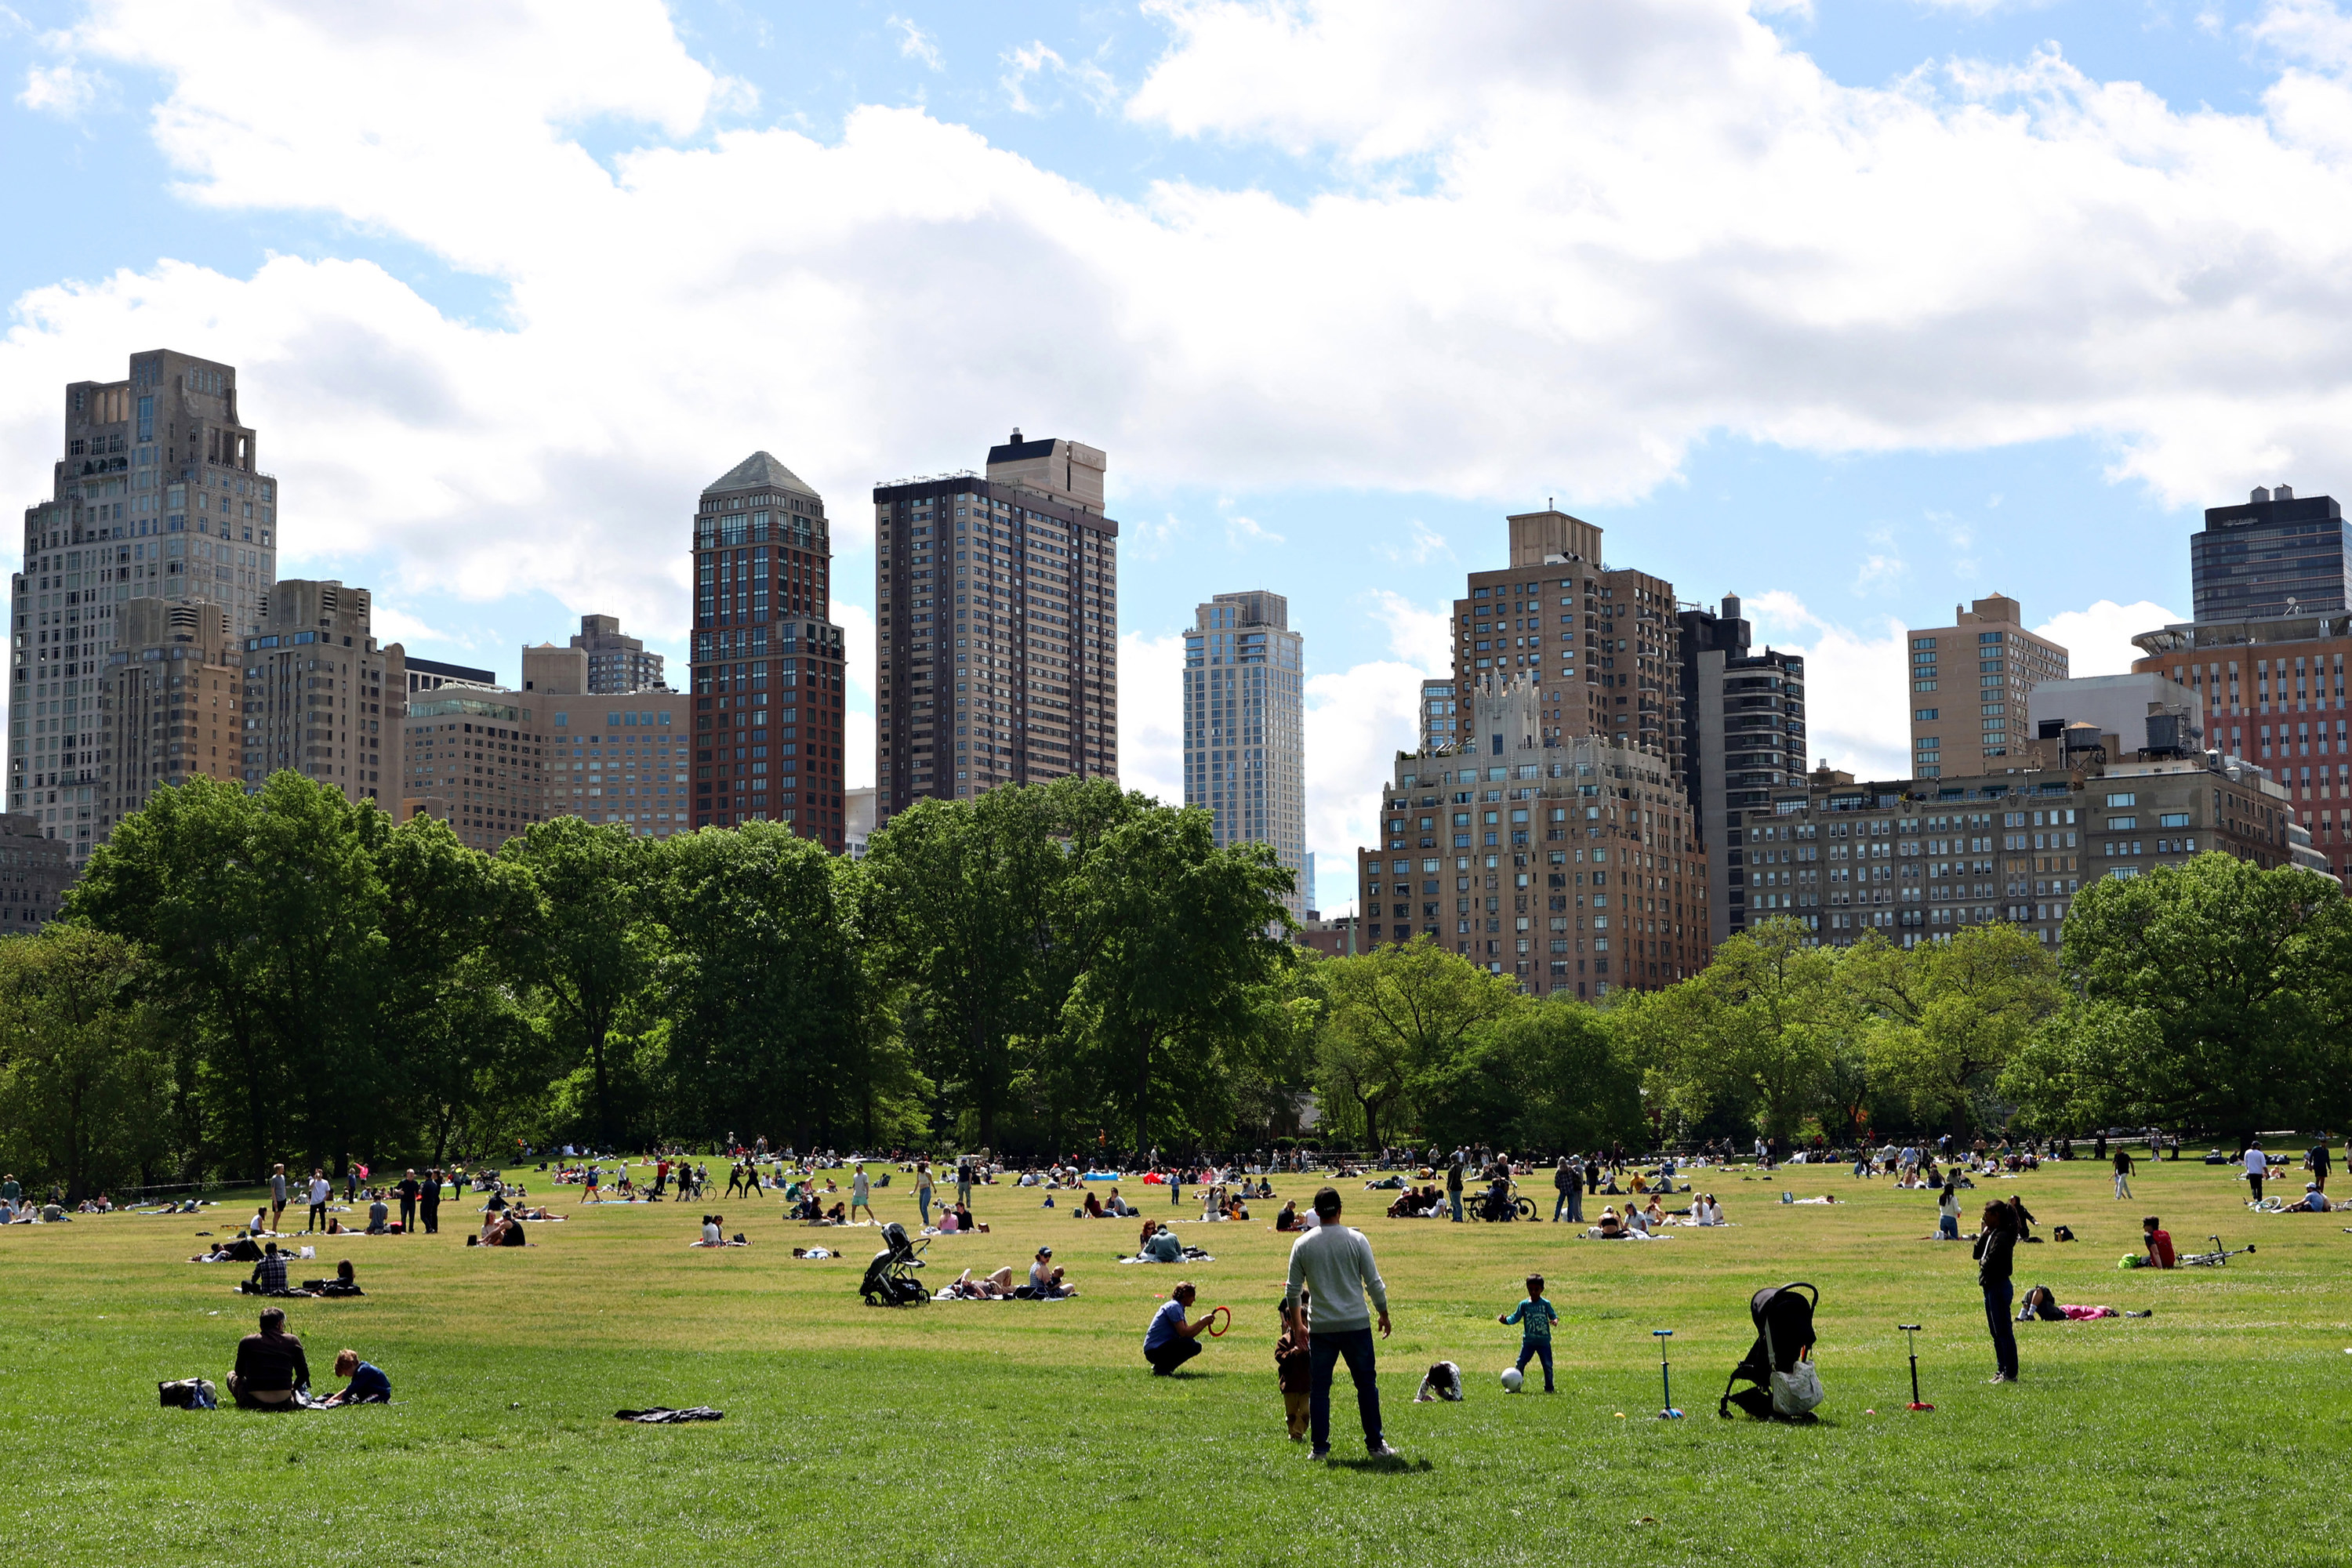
column 1535, row 1317
column 368, row 1384
column 1171, row 1341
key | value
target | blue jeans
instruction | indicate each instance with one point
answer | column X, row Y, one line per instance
column 1323, row 1350
column 1559, row 1203
column 1455, row 1199
column 923, row 1202
column 1540, row 1349
column 2004, row 1332
column 1948, row 1227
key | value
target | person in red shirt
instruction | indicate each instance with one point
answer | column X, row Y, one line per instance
column 2159, row 1243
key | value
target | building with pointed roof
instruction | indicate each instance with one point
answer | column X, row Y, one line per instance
column 766, row 656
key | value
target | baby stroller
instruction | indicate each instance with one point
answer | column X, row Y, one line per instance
column 1780, row 1363
column 891, row 1278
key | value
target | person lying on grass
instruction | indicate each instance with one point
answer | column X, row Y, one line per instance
column 365, row 1385
column 993, row 1286
column 2040, row 1304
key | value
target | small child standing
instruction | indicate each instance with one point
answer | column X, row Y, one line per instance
column 1291, row 1370
column 1535, row 1317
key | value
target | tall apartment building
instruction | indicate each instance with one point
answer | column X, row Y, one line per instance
column 1555, row 602
column 2273, row 691
column 997, row 600
column 320, row 697
column 425, row 674
column 616, row 663
column 767, row 658
column 174, row 701
column 1571, row 862
column 1245, row 728
column 156, row 494
column 479, row 758
column 34, row 872
column 1743, row 737
column 1970, row 682
column 620, row 758
column 2275, row 556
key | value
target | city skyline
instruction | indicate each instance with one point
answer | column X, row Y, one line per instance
column 470, row 428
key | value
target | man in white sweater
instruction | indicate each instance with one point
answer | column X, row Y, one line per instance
column 1335, row 1264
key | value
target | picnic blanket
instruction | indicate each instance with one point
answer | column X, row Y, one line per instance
column 662, row 1415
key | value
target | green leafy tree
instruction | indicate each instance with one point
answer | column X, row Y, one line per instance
column 1398, row 1019
column 1760, row 1026
column 2212, row 994
column 1951, row 1014
column 581, row 936
column 85, row 1074
column 1540, row 1075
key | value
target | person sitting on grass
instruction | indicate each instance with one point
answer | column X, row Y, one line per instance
column 270, row 1366
column 378, row 1214
column 711, row 1235
column 1287, row 1220
column 2313, row 1201
column 1608, row 1228
column 1161, row 1246
column 269, row 1275
column 1707, row 1211
column 366, row 1385
column 1171, row 1341
column 345, row 1282
column 1116, row 1207
column 1092, row 1208
column 1046, row 1280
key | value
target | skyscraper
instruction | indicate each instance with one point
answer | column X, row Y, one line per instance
column 157, row 495
column 767, row 657
column 997, row 600
column 1245, row 728
column 1968, row 686
column 616, row 663
column 321, row 698
column 2275, row 556
column 1743, row 737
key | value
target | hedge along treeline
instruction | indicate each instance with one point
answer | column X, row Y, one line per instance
column 241, row 979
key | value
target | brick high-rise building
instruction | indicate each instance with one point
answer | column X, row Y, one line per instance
column 1245, row 728
column 997, row 599
column 156, row 494
column 616, row 663
column 1970, row 682
column 321, row 698
column 767, row 661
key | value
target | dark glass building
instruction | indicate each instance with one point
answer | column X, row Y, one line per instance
column 2275, row 556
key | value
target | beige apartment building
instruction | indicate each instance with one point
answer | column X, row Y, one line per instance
column 175, row 701
column 321, row 698
column 1970, row 682
column 613, row 758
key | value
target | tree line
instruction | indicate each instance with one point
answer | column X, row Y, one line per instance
column 1064, row 969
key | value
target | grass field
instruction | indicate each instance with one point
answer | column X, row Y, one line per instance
column 2214, row 1431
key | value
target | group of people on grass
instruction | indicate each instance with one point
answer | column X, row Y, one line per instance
column 272, row 1373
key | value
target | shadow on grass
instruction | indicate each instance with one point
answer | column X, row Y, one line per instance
column 1397, row 1466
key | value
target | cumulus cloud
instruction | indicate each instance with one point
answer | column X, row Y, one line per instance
column 392, row 624
column 1357, row 722
column 1151, row 720
column 64, row 89
column 2097, row 640
column 1857, row 718
column 1528, row 240
column 916, row 44
column 1243, row 531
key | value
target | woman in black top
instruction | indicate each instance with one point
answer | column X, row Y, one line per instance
column 1995, row 1245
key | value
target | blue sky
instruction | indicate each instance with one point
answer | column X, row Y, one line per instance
column 1856, row 309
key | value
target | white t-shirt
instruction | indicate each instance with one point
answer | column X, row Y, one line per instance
column 2256, row 1162
column 319, row 1189
column 711, row 1237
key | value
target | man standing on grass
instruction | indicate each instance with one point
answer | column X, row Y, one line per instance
column 410, row 1190
column 277, row 1197
column 2317, row 1162
column 320, row 1189
column 431, row 1202
column 1335, row 1265
column 2258, row 1166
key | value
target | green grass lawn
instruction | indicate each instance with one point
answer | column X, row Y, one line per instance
column 1025, row 1433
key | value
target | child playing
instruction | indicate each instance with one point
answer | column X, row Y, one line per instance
column 1535, row 1317
column 1292, row 1372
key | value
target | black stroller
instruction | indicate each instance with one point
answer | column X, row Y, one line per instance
column 891, row 1278
column 1784, row 1343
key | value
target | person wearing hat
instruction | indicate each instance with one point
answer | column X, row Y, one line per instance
column 1045, row 1280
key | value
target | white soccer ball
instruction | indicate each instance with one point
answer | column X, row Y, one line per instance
column 1512, row 1379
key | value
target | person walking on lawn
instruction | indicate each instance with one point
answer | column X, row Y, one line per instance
column 1334, row 1264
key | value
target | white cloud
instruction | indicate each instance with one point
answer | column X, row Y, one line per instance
column 1357, row 722
column 1422, row 637
column 1243, row 532
column 1151, row 721
column 2097, row 640
column 392, row 624
column 1857, row 715
column 915, row 44
column 1421, row 544
column 64, row 89
column 1035, row 62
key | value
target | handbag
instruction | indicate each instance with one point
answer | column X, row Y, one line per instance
column 1796, row 1391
